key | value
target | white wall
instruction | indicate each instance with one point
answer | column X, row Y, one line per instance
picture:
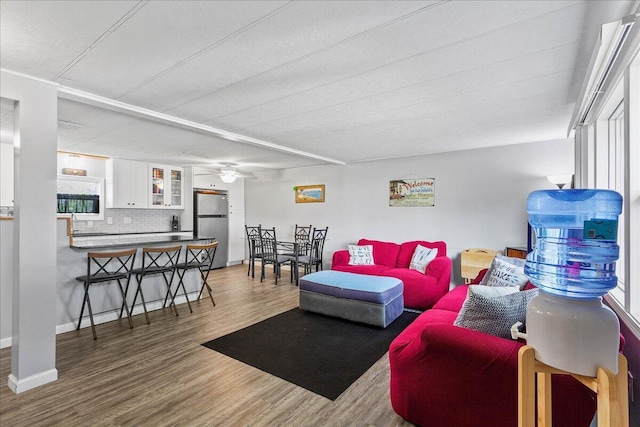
column 480, row 198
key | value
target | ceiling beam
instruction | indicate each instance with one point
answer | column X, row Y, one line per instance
column 118, row 106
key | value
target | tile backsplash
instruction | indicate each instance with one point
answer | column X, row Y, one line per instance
column 142, row 221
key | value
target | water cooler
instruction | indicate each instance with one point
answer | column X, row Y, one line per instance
column 573, row 265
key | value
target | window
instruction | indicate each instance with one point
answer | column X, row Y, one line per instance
column 608, row 156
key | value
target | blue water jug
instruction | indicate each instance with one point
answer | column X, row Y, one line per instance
column 576, row 233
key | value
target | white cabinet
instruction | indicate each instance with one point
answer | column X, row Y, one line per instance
column 209, row 181
column 6, row 174
column 127, row 184
column 237, row 242
column 167, row 187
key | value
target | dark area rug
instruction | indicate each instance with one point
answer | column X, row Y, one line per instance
column 323, row 354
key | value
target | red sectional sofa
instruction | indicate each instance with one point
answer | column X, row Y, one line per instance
column 421, row 291
column 444, row 375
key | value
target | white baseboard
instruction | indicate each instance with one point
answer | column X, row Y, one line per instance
column 108, row 316
column 32, row 381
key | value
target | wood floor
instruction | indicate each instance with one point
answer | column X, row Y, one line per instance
column 160, row 375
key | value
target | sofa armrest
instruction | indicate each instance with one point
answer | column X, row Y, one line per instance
column 439, row 267
column 458, row 346
column 474, row 376
column 340, row 258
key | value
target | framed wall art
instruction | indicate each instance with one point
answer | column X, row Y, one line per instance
column 416, row 192
column 309, row 193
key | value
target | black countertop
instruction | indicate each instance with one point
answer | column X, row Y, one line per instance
column 90, row 234
column 123, row 241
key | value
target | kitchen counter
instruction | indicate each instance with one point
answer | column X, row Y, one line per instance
column 135, row 240
column 90, row 234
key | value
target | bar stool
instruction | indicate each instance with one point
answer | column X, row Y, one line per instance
column 106, row 267
column 200, row 257
column 155, row 261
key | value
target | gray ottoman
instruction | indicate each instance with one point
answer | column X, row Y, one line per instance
column 374, row 300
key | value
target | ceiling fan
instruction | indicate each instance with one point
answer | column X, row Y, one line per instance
column 228, row 173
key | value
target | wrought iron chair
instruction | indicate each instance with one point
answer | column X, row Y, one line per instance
column 197, row 256
column 160, row 261
column 302, row 238
column 255, row 247
column 105, row 267
column 270, row 253
column 316, row 248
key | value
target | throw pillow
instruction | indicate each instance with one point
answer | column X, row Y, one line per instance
column 495, row 315
column 504, row 273
column 422, row 257
column 491, row 291
column 360, row 255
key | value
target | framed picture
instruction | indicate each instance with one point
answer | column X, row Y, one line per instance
column 309, row 193
column 418, row 192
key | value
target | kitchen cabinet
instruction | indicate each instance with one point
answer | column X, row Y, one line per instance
column 127, row 184
column 166, row 187
column 236, row 236
column 237, row 242
column 209, row 181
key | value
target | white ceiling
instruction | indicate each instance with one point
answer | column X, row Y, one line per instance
column 346, row 80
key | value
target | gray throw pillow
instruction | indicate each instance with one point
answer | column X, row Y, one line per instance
column 495, row 315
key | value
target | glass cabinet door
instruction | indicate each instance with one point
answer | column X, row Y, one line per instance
column 157, row 186
column 176, row 187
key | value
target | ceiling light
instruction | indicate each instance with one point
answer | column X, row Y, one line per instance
column 560, row 180
column 228, row 175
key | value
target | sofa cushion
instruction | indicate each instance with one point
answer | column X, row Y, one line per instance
column 504, row 273
column 453, row 300
column 384, row 253
column 408, row 248
column 360, row 255
column 495, row 315
column 422, row 257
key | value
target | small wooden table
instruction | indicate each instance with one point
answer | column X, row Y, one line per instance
column 516, row 251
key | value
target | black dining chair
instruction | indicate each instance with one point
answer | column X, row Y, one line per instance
column 270, row 255
column 157, row 261
column 302, row 237
column 255, row 247
column 316, row 248
column 106, row 267
column 200, row 257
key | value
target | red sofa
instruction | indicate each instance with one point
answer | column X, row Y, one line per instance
column 421, row 291
column 444, row 375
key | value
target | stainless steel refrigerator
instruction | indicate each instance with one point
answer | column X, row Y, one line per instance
column 211, row 211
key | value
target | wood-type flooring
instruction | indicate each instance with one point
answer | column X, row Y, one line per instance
column 160, row 375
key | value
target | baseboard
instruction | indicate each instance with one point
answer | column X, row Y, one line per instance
column 32, row 381
column 109, row 316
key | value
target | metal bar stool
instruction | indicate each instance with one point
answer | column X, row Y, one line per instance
column 160, row 261
column 106, row 267
column 197, row 257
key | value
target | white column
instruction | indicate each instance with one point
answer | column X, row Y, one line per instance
column 33, row 345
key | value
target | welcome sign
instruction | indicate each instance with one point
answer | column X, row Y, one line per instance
column 418, row 192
